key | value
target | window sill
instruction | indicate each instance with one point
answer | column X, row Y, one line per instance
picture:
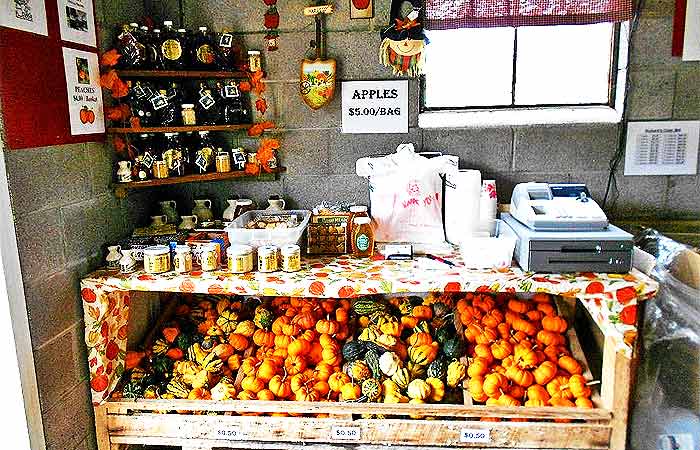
column 519, row 117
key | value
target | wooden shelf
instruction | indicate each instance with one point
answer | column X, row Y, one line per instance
column 180, row 74
column 183, row 129
column 121, row 189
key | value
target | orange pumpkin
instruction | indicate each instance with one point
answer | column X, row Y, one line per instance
column 555, row 324
column 331, row 356
column 234, row 362
column 547, row 309
column 508, row 400
column 525, row 326
column 545, row 372
column 266, row 394
column 253, row 384
column 550, row 338
column 266, row 370
column 520, row 376
column 494, row 383
column 199, row 394
column 541, row 297
column 559, row 387
column 279, row 323
column 305, row 320
column 224, row 351
column 554, row 352
column 350, row 391
column 419, row 338
column 517, row 391
column 487, row 336
column 484, row 302
column 283, row 341
column 323, row 371
column 484, row 351
column 337, row 380
column 422, row 312
column 250, row 365
column 298, row 347
column 578, row 386
column 295, row 364
column 315, row 355
column 280, row 387
column 291, row 329
column 501, row 349
column 503, row 329
column 321, row 387
column 341, row 315
column 306, row 394
column 477, row 367
column 534, row 315
column 247, row 395
column 263, row 338
column 538, row 392
column 298, row 381
column 327, row 326
column 518, row 306
column 492, row 319
column 238, row 342
column 570, row 365
column 583, row 402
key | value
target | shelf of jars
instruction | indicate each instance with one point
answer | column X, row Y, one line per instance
column 121, row 190
column 182, row 74
column 178, row 129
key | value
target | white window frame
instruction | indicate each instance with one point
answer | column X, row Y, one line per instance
column 546, row 115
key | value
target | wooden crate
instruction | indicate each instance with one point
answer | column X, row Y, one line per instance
column 442, row 425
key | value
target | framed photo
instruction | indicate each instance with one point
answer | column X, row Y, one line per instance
column 361, row 9
column 77, row 21
column 25, row 15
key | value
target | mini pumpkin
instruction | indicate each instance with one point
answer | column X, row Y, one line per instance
column 350, row 391
column 263, row 338
column 337, row 380
column 545, row 372
column 437, row 389
column 520, row 376
column 246, row 328
column 501, row 349
column 418, row 389
column 389, row 363
column 298, row 347
column 555, row 324
column 570, row 365
column 477, row 367
column 253, row 384
column 578, row 386
column 327, row 326
column 456, row 372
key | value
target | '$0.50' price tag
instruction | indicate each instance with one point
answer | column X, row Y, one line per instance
column 475, row 435
column 345, row 433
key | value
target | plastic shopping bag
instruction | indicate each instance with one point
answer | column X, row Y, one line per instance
column 406, row 195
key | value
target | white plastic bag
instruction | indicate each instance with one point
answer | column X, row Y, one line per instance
column 405, row 192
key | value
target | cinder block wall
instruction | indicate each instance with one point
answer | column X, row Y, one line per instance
column 320, row 160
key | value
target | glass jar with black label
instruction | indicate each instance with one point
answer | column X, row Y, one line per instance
column 172, row 47
column 232, row 111
column 132, row 50
column 141, row 169
column 173, row 155
column 203, row 51
column 140, row 94
column 152, row 42
column 204, row 156
column 166, row 109
column 207, row 107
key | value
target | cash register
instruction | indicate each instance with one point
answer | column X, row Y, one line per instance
column 560, row 228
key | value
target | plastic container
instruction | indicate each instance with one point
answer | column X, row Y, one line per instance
column 239, row 234
column 488, row 252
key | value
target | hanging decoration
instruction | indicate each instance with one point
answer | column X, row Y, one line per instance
column 361, row 9
column 271, row 22
column 317, row 81
column 403, row 41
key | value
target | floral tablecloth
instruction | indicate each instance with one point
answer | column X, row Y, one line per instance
column 611, row 299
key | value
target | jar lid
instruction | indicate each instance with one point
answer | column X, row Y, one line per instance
column 265, row 249
column 134, row 25
column 168, row 23
column 156, row 30
column 239, row 250
column 181, row 30
column 358, row 209
column 253, row 52
column 362, row 220
column 187, row 105
column 245, row 202
column 144, row 28
column 157, row 250
column 290, row 249
column 203, row 28
column 182, row 249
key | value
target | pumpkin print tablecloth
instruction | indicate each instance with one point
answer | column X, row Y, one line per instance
column 611, row 299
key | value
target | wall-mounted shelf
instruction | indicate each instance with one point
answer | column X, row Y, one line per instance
column 121, row 189
column 183, row 129
column 180, row 74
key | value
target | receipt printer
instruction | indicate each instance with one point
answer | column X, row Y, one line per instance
column 556, row 207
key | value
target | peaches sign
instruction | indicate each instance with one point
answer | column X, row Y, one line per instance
column 84, row 93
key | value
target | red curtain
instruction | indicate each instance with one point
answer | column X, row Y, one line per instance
column 451, row 14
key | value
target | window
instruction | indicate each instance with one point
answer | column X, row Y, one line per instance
column 548, row 71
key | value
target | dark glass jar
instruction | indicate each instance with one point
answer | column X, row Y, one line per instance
column 203, row 157
column 203, row 51
column 174, row 154
column 173, row 49
column 207, row 107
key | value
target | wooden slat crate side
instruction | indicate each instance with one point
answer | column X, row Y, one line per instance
column 227, row 430
column 399, row 409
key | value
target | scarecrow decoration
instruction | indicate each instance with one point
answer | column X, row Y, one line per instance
column 403, row 41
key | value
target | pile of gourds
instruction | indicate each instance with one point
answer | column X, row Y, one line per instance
column 406, row 351
column 518, row 353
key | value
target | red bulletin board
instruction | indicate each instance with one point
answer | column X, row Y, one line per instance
column 33, row 87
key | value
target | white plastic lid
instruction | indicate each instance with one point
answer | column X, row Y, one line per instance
column 362, row 220
column 245, row 202
column 134, row 25
column 267, row 249
column 156, row 250
column 203, row 28
column 290, row 249
column 253, row 52
column 181, row 30
column 187, row 105
column 156, row 30
column 168, row 23
column 144, row 135
column 235, row 250
column 358, row 209
column 144, row 28
column 182, row 249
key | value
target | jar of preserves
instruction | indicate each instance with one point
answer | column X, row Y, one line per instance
column 240, row 258
column 291, row 258
column 267, row 259
column 156, row 259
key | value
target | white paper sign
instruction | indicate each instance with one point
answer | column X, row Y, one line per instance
column 77, row 21
column 233, row 433
column 475, row 435
column 662, row 148
column 691, row 36
column 25, row 15
column 84, row 92
column 375, row 106
column 345, row 433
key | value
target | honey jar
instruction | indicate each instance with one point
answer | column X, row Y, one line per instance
column 267, row 259
column 240, row 258
column 156, row 259
column 291, row 258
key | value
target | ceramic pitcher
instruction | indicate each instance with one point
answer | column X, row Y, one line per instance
column 113, row 256
column 230, row 212
column 169, row 209
column 124, row 171
column 188, row 223
column 202, row 209
column 276, row 203
column 159, row 221
column 127, row 264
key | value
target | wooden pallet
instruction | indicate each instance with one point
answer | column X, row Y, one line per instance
column 124, row 422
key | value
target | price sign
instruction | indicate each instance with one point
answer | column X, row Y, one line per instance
column 230, row 433
column 345, row 433
column 475, row 435
column 375, row 106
